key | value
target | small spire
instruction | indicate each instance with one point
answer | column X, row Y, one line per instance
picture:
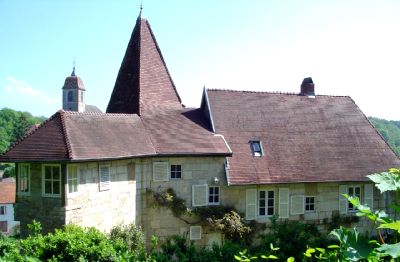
column 141, row 8
column 73, row 70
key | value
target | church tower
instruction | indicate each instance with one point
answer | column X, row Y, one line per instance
column 73, row 93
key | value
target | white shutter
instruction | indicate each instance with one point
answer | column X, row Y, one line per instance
column 297, row 205
column 199, row 195
column 369, row 195
column 251, row 204
column 160, row 171
column 195, row 233
column 283, row 202
column 343, row 204
column 104, row 178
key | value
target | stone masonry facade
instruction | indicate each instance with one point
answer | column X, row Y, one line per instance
column 128, row 197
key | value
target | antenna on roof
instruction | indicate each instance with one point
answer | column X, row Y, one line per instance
column 73, row 70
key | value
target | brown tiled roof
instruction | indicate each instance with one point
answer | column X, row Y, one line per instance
column 74, row 136
column 45, row 142
column 92, row 109
column 73, row 81
column 144, row 85
column 99, row 136
column 304, row 139
column 7, row 192
column 184, row 132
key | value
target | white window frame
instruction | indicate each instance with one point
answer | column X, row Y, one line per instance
column 175, row 172
column 28, row 177
column 305, row 204
column 104, row 185
column 353, row 209
column 214, row 195
column 266, row 206
column 52, row 180
column 256, row 153
column 3, row 210
column 69, row 179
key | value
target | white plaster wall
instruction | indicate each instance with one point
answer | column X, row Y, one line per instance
column 9, row 217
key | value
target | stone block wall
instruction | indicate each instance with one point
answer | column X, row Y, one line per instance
column 160, row 221
column 49, row 211
column 90, row 207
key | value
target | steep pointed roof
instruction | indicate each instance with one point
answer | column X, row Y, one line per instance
column 144, row 85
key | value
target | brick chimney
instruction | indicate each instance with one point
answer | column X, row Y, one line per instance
column 307, row 87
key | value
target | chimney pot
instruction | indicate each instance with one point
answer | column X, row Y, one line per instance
column 307, row 87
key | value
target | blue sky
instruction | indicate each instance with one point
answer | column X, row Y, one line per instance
column 347, row 47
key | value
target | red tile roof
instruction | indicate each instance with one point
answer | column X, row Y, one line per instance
column 73, row 136
column 144, row 85
column 7, row 192
column 183, row 132
column 304, row 139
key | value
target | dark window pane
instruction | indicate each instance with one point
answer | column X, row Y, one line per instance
column 47, row 187
column 270, row 194
column 262, row 203
column 47, row 172
column 216, row 199
column 262, row 194
column 210, row 199
column 216, row 190
column 270, row 211
column 56, row 187
column 262, row 211
column 270, row 202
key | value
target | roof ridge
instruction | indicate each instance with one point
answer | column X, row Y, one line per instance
column 98, row 113
column 268, row 92
column 65, row 132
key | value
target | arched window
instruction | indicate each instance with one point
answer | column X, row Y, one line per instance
column 70, row 96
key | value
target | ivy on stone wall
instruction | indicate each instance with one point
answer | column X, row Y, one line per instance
column 223, row 219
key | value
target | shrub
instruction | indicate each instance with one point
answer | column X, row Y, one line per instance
column 72, row 243
column 291, row 237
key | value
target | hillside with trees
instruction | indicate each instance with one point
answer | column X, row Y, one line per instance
column 13, row 126
column 390, row 131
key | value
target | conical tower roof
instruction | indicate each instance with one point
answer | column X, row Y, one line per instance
column 144, row 85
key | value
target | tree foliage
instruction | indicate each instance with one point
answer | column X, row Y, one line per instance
column 389, row 130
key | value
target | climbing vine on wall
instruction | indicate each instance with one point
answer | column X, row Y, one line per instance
column 223, row 219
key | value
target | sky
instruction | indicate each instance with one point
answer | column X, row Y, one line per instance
column 348, row 47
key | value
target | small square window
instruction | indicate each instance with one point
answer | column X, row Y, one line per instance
column 3, row 210
column 353, row 191
column 73, row 179
column 309, row 204
column 266, row 203
column 51, row 180
column 213, row 195
column 256, row 148
column 176, row 171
